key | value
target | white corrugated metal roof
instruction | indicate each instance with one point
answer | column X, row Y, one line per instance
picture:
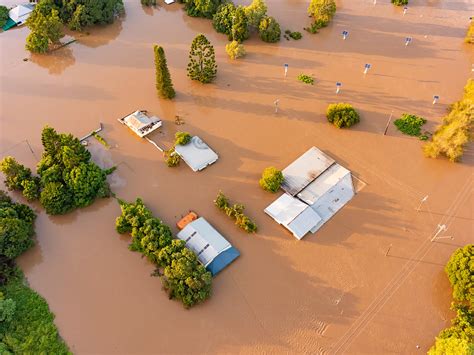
column 293, row 214
column 140, row 123
column 20, row 13
column 196, row 154
column 204, row 240
column 304, row 170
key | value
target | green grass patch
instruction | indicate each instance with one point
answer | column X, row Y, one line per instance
column 31, row 329
column 410, row 125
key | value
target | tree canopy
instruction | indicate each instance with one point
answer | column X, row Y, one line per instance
column 45, row 26
column 272, row 179
column 202, row 60
column 269, row 30
column 164, row 85
column 342, row 115
column 460, row 271
column 322, row 12
column 202, row 8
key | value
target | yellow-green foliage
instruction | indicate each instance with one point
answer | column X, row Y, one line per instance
column 235, row 50
column 452, row 136
column 470, row 34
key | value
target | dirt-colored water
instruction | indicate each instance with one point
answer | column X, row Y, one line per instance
column 333, row 291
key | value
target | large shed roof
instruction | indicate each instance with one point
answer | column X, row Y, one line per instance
column 196, row 154
column 305, row 170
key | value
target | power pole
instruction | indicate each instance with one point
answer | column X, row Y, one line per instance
column 388, row 123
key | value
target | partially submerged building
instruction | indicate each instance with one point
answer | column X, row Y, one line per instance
column 197, row 154
column 140, row 123
column 211, row 248
column 316, row 187
column 18, row 15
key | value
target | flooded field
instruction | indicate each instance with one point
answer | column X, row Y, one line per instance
column 334, row 291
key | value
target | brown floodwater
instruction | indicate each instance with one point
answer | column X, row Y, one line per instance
column 334, row 291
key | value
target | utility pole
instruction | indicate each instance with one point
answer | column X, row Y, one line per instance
column 441, row 228
column 421, row 202
column 388, row 123
column 276, row 105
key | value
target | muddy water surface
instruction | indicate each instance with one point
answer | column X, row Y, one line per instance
column 333, row 291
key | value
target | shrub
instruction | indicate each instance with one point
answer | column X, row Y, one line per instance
column 16, row 227
column 100, row 139
column 410, row 124
column 182, row 138
column 236, row 212
column 342, row 115
column 322, row 11
column 202, row 8
column 148, row 2
column 222, row 19
column 307, row 79
column 3, row 15
column 164, row 86
column 272, row 179
column 400, row 2
column 255, row 12
column 172, row 158
column 269, row 30
column 295, row 35
column 202, row 60
column 235, row 50
column 460, row 271
column 470, row 34
column 240, row 27
column 454, row 133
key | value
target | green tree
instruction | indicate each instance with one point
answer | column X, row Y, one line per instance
column 202, row 61
column 164, row 85
column 240, row 27
column 223, row 18
column 56, row 198
column 410, row 124
column 342, row 115
column 182, row 138
column 400, row 2
column 7, row 309
column 202, row 8
column 269, row 30
column 46, row 29
column 235, row 50
column 470, row 34
column 3, row 15
column 255, row 12
column 19, row 178
column 148, row 2
column 82, row 13
column 460, row 270
column 322, row 11
column 272, row 179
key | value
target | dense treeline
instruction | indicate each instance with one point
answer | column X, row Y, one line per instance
column 182, row 275
column 459, row 338
column 451, row 137
column 68, row 179
column 26, row 324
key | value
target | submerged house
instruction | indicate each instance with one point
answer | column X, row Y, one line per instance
column 18, row 15
column 140, row 123
column 211, row 248
column 316, row 187
column 197, row 154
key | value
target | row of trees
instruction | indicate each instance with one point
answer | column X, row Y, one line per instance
column 182, row 275
column 26, row 324
column 452, row 136
column 459, row 338
column 235, row 212
column 68, row 179
column 47, row 20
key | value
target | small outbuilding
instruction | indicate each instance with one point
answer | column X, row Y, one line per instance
column 140, row 123
column 18, row 15
column 211, row 248
column 316, row 187
column 197, row 154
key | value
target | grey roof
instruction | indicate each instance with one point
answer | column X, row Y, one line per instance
column 204, row 240
column 196, row 154
column 140, row 123
column 305, row 170
column 293, row 214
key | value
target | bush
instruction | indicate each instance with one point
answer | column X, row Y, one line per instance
column 222, row 19
column 400, row 2
column 460, row 271
column 148, row 2
column 164, row 85
column 272, row 179
column 16, row 227
column 202, row 8
column 100, row 139
column 31, row 330
column 470, row 34
column 410, row 124
column 183, row 276
column 3, row 15
column 454, row 133
column 235, row 50
column 240, row 27
column 322, row 11
column 295, row 35
column 202, row 60
column 342, row 115
column 269, row 30
column 307, row 79
column 182, row 138
column 236, row 212
column 255, row 12
column 172, row 158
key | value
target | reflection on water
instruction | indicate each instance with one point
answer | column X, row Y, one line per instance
column 99, row 35
column 56, row 62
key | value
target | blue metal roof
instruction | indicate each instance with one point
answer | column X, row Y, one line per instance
column 222, row 260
